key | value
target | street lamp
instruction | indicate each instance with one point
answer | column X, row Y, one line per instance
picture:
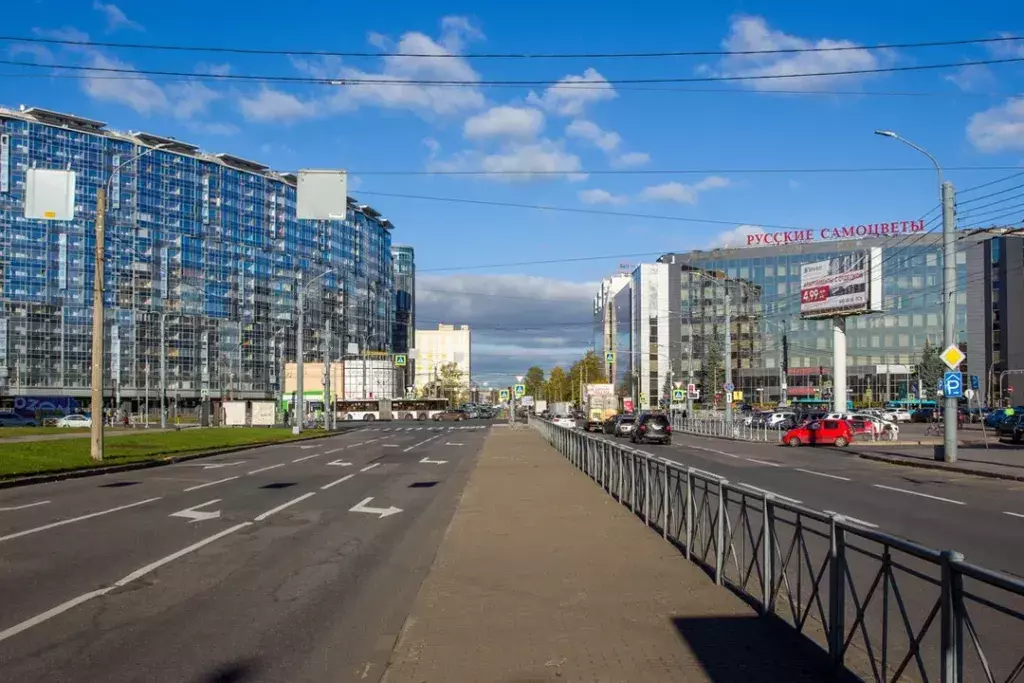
column 299, row 370
column 948, row 288
column 96, row 432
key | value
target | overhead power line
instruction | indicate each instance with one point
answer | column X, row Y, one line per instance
column 681, row 171
column 511, row 55
column 515, row 83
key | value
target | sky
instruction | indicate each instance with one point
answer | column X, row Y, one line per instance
column 644, row 168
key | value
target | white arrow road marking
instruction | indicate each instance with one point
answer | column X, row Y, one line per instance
column 197, row 515
column 22, row 507
column 369, row 467
column 433, row 462
column 269, row 467
column 454, row 444
column 210, row 483
column 336, row 482
column 340, row 463
column 382, row 512
column 282, row 506
column 62, row 522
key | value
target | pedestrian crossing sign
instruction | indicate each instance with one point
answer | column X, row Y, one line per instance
column 520, row 390
column 678, row 395
column 400, row 360
column 609, row 358
column 503, row 394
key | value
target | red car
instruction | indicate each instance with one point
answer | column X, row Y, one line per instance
column 820, row 432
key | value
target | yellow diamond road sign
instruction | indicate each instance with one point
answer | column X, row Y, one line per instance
column 953, row 357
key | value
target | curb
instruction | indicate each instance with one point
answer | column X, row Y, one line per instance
column 30, row 479
column 920, row 464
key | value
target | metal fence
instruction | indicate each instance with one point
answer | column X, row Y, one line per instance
column 720, row 428
column 883, row 607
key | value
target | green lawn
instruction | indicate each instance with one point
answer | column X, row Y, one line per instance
column 36, row 457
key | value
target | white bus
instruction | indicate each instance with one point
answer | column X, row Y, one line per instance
column 369, row 410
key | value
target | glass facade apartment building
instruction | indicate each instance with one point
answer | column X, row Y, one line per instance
column 204, row 255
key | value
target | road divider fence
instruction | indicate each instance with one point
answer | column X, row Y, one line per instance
column 736, row 429
column 883, row 607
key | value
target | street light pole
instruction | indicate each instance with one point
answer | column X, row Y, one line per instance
column 946, row 197
column 299, row 337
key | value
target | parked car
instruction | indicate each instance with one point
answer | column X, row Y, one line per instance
column 1012, row 428
column 10, row 419
column 781, row 417
column 819, row 433
column 996, row 417
column 651, row 427
column 624, row 425
column 565, row 421
column 924, row 415
column 896, row 415
column 451, row 416
column 75, row 421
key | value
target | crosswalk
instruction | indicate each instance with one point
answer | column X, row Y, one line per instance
column 422, row 429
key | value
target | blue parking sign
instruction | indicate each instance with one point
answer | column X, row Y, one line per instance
column 974, row 382
column 953, row 385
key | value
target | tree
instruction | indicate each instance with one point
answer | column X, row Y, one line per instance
column 587, row 370
column 535, row 382
column 558, row 384
column 930, row 368
column 451, row 385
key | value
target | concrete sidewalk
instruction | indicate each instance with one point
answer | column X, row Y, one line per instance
column 1001, row 460
column 543, row 577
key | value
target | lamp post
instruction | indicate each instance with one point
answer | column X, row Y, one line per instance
column 96, row 432
column 948, row 289
column 299, row 370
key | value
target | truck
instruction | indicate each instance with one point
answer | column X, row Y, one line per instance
column 561, row 408
column 601, row 404
column 539, row 406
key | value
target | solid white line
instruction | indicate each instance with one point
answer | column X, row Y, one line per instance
column 209, row 483
column 62, row 522
column 22, row 507
column 822, row 474
column 369, row 467
column 1014, row 514
column 336, row 482
column 307, row 457
column 918, row 493
column 421, row 443
column 269, row 467
column 771, row 493
column 282, row 506
column 763, row 462
column 85, row 597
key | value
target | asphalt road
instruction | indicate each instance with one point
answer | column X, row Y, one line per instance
column 294, row 562
column 981, row 518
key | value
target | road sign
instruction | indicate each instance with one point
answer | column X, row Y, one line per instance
column 503, row 394
column 527, row 401
column 520, row 390
column 400, row 360
column 609, row 358
column 728, row 386
column 691, row 387
column 693, row 395
column 953, row 385
column 974, row 382
column 728, row 395
column 969, row 394
column 953, row 356
column 737, row 395
column 678, row 395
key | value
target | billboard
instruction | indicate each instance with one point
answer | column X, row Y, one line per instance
column 847, row 284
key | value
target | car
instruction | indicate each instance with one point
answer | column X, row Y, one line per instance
column 1011, row 428
column 624, row 425
column 651, row 427
column 780, row 417
column 75, row 421
column 608, row 427
column 11, row 419
column 820, row 432
column 896, row 415
column 451, row 416
column 924, row 415
column 564, row 421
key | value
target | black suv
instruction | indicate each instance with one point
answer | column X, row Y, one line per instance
column 652, row 427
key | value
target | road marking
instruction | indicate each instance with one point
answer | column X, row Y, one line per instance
column 433, row 462
column 454, row 444
column 381, row 512
column 218, row 465
column 699, row 448
column 23, row 507
column 822, row 474
column 307, row 457
column 196, row 515
column 419, row 429
column 268, row 467
column 918, row 493
column 369, row 467
column 336, row 482
column 763, row 462
column 307, row 446
column 848, row 518
column 334, row 450
column 391, row 445
column 62, row 522
column 356, row 444
column 771, row 493
column 340, row 463
column 210, row 483
column 135, row 575
column 1014, row 514
column 421, row 443
column 282, row 506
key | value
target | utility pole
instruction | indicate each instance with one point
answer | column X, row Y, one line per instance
column 839, row 365
column 328, row 400
column 163, row 373
column 949, row 299
column 728, row 353
column 96, row 432
column 299, row 370
column 784, row 370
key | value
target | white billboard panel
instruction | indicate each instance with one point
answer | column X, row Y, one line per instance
column 50, row 194
column 847, row 284
column 321, row 195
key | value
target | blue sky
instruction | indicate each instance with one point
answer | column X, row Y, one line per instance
column 966, row 117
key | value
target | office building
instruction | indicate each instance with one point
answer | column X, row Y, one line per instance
column 650, row 329
column 607, row 318
column 403, row 260
column 442, row 347
column 204, row 255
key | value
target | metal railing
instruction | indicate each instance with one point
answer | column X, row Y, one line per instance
column 737, row 429
column 883, row 607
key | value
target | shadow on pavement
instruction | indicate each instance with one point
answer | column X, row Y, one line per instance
column 232, row 672
column 755, row 650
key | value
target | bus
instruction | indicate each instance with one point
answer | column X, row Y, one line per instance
column 911, row 404
column 370, row 410
column 817, row 404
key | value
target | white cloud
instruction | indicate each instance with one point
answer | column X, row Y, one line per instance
column 116, row 19
column 793, row 184
column 1007, row 48
column 1000, row 128
column 221, row 69
column 275, row 105
column 973, row 77
column 608, row 141
column 753, row 33
column 504, row 121
column 737, row 237
column 681, row 193
column 598, row 196
column 433, row 145
column 190, row 98
column 141, row 94
column 630, row 159
column 571, row 95
column 40, row 53
column 516, row 162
